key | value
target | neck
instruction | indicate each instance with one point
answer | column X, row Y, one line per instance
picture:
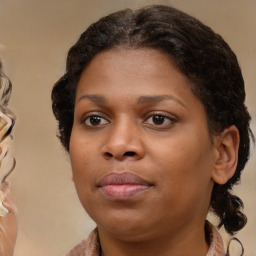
column 187, row 242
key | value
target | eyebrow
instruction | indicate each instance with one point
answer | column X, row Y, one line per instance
column 94, row 98
column 142, row 100
column 154, row 99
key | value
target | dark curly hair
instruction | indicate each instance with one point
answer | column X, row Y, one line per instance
column 199, row 53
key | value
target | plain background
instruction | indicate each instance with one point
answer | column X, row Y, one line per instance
column 34, row 39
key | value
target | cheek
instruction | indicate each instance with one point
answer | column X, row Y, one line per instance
column 186, row 183
column 81, row 172
column 185, row 163
column 80, row 153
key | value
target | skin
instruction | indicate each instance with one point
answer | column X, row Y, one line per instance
column 177, row 157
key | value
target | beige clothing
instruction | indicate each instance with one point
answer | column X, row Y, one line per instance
column 91, row 246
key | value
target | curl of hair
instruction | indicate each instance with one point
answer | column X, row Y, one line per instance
column 228, row 208
column 5, row 88
column 199, row 53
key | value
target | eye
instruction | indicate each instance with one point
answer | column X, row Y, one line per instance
column 95, row 120
column 160, row 120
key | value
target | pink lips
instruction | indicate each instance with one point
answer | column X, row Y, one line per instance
column 122, row 186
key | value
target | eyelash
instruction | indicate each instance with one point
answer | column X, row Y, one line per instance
column 100, row 117
column 163, row 117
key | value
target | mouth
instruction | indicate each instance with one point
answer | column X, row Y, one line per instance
column 122, row 186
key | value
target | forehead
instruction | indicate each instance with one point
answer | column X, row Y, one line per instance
column 129, row 68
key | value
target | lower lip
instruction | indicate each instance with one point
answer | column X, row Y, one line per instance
column 123, row 191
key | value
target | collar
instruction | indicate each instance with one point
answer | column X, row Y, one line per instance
column 91, row 245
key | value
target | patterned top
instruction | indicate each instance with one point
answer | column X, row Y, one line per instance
column 91, row 246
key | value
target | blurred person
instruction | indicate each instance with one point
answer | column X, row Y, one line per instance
column 8, row 218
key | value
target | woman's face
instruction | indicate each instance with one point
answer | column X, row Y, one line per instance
column 140, row 148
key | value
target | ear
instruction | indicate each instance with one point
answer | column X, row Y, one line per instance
column 227, row 145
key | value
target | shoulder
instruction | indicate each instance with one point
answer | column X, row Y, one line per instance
column 216, row 245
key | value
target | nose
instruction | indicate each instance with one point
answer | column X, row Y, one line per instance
column 123, row 141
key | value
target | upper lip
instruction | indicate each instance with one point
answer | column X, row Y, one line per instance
column 122, row 179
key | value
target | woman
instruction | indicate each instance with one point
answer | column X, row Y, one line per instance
column 8, row 219
column 151, row 110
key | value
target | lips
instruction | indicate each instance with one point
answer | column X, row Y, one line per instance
column 122, row 186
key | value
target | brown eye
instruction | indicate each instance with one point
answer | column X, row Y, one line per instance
column 157, row 119
column 95, row 121
column 160, row 120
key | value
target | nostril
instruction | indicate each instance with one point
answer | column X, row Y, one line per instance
column 108, row 155
column 129, row 153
